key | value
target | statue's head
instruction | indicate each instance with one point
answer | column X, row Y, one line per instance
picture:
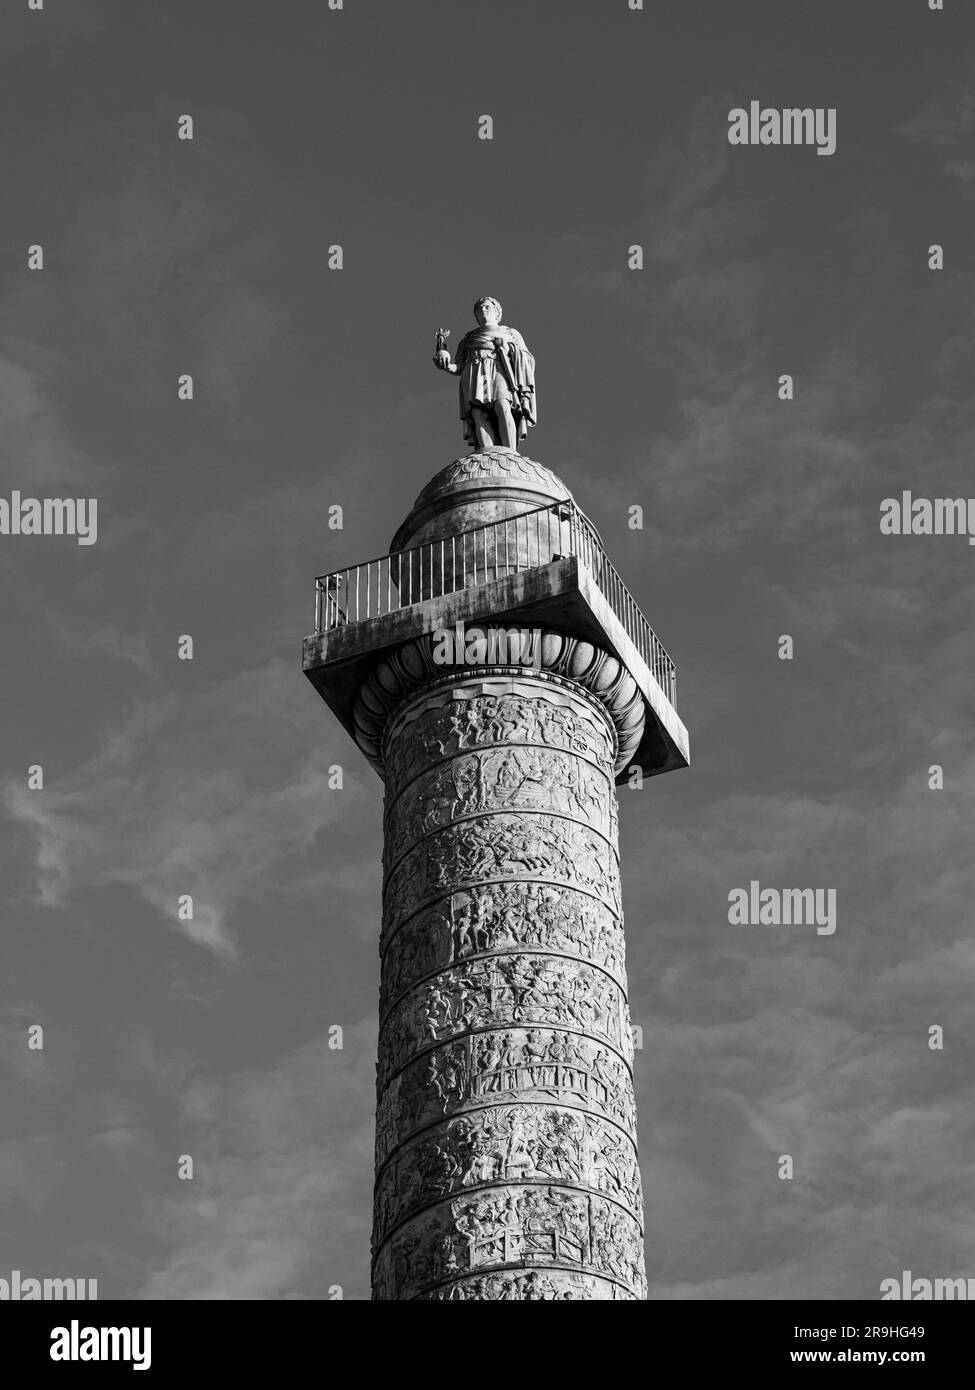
column 487, row 310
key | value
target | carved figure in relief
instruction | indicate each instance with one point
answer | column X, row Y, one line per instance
column 445, row 1077
column 498, row 719
column 511, row 1144
column 437, row 1012
column 466, row 776
column 493, row 1065
column 512, row 1285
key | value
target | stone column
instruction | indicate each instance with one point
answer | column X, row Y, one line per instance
column 506, row 1139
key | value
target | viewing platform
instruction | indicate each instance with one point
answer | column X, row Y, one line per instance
column 541, row 566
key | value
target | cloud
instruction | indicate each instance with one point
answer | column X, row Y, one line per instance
column 946, row 124
column 37, row 454
column 239, row 330
column 199, row 793
column 281, row 1185
column 813, row 1047
column 78, row 636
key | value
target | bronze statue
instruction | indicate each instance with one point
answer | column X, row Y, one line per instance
column 497, row 379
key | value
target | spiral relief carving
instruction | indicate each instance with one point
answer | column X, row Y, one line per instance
column 505, row 1143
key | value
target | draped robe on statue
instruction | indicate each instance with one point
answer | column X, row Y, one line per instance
column 482, row 381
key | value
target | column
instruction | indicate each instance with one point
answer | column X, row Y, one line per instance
column 506, row 1141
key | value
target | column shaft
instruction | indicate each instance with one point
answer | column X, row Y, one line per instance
column 506, row 1140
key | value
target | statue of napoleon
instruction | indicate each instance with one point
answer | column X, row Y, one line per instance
column 497, row 380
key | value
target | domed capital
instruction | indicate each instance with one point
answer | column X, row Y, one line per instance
column 475, row 490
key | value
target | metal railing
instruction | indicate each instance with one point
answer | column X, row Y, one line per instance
column 491, row 551
column 586, row 548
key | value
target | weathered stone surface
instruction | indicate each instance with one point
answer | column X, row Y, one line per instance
column 564, row 662
column 502, row 990
column 504, row 1144
column 513, row 469
column 507, row 1227
column 514, row 1064
column 548, row 1286
column 536, row 846
column 511, row 917
column 500, row 779
column 505, row 1140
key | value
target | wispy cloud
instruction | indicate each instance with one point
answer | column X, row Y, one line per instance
column 172, row 805
column 946, row 124
column 37, row 452
column 273, row 1209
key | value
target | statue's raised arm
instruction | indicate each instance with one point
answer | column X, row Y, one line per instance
column 497, row 380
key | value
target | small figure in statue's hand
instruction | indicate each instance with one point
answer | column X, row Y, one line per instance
column 497, row 379
column 441, row 356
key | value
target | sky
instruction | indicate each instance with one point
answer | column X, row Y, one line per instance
column 314, row 388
